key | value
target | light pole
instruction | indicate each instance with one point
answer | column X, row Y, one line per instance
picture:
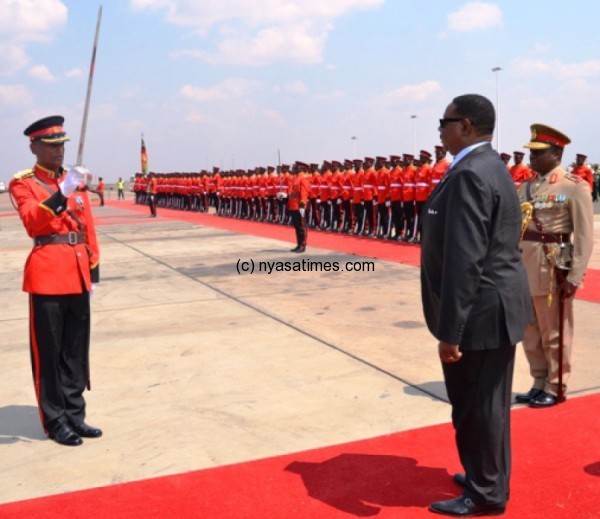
column 414, row 131
column 495, row 70
column 353, row 139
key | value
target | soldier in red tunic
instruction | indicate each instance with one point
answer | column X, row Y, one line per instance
column 59, row 276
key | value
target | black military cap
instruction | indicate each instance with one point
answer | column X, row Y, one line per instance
column 49, row 129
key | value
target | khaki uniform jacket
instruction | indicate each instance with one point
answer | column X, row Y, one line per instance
column 562, row 204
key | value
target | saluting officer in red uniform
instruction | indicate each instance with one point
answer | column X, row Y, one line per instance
column 60, row 273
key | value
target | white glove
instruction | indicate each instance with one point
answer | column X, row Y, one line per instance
column 339, row 201
column 75, row 177
column 302, row 211
column 92, row 288
column 388, row 203
column 374, row 202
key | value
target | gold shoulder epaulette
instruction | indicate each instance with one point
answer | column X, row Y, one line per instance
column 23, row 174
column 573, row 178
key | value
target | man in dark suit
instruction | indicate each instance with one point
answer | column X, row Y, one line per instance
column 475, row 300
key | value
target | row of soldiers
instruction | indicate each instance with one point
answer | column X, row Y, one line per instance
column 520, row 172
column 380, row 197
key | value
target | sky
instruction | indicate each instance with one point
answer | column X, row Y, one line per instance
column 247, row 83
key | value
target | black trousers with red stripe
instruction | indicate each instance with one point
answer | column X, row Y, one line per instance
column 300, row 228
column 59, row 343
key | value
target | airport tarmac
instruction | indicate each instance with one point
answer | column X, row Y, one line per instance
column 196, row 366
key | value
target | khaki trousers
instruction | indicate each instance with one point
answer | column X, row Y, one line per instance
column 541, row 343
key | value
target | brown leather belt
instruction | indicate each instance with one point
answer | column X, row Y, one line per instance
column 69, row 238
column 546, row 237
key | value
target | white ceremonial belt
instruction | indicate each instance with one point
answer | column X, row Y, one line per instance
column 409, row 185
column 395, row 185
column 422, row 184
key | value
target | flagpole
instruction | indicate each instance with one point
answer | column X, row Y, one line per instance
column 89, row 92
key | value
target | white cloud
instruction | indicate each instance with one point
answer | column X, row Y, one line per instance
column 14, row 94
column 295, row 87
column 331, row 96
column 475, row 16
column 74, row 72
column 37, row 20
column 42, row 73
column 526, row 67
column 12, row 58
column 302, row 43
column 26, row 21
column 226, row 90
column 420, row 92
column 257, row 32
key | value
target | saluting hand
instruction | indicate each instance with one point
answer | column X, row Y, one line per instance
column 449, row 352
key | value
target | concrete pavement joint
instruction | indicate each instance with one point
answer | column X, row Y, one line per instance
column 279, row 320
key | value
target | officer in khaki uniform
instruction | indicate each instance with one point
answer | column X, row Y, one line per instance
column 557, row 232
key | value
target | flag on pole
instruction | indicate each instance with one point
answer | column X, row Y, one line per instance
column 144, row 156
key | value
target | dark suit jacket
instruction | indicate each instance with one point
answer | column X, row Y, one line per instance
column 474, row 287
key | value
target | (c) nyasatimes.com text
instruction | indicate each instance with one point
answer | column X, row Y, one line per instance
column 250, row 266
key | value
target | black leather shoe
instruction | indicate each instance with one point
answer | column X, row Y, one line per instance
column 543, row 400
column 64, row 435
column 525, row 398
column 295, row 249
column 464, row 507
column 87, row 431
column 300, row 250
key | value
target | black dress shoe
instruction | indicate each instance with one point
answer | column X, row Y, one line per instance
column 295, row 249
column 300, row 250
column 525, row 398
column 87, row 431
column 543, row 400
column 464, row 507
column 64, row 435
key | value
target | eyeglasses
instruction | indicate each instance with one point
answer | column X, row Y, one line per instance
column 446, row 120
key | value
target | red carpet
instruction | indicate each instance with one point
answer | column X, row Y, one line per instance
column 556, row 474
column 368, row 247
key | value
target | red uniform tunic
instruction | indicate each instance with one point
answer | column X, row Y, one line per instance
column 586, row 173
column 357, row 186
column 408, row 183
column 520, row 173
column 438, row 171
column 298, row 196
column 347, row 184
column 423, row 183
column 383, row 185
column 55, row 269
column 396, row 189
column 325, row 189
column 370, row 185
